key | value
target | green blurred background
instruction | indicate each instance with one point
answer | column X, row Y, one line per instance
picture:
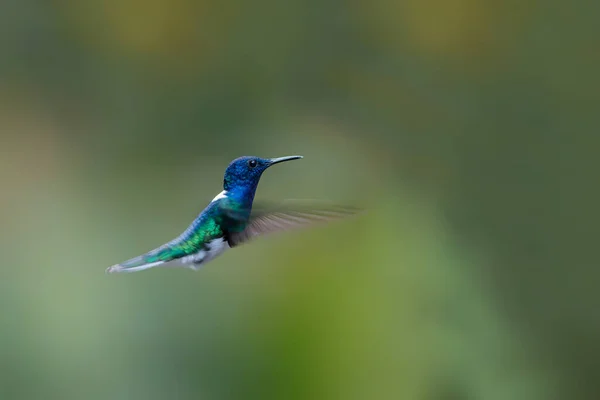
column 469, row 129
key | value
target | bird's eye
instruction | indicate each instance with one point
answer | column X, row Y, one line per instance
column 252, row 163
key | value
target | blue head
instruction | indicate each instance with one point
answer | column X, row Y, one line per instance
column 243, row 174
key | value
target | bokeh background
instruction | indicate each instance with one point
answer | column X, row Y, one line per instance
column 468, row 128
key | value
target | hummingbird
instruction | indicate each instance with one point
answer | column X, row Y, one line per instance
column 232, row 219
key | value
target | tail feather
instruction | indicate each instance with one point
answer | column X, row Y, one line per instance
column 154, row 258
column 138, row 263
column 126, row 267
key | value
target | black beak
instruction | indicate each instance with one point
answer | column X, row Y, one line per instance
column 282, row 159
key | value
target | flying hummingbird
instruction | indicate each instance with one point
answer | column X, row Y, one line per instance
column 230, row 220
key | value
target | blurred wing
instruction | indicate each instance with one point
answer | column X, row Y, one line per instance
column 291, row 214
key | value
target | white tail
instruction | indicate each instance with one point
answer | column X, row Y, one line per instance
column 121, row 268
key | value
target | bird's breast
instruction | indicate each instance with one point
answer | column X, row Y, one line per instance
column 216, row 247
column 209, row 251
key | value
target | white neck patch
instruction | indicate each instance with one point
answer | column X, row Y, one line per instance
column 221, row 195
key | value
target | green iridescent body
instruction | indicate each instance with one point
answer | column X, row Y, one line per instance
column 221, row 217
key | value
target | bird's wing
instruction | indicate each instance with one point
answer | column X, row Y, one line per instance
column 268, row 218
